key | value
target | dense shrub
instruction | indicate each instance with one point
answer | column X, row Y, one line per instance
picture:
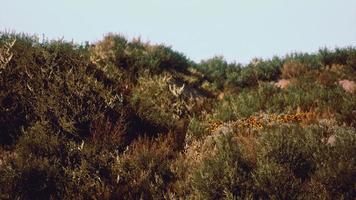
column 143, row 171
column 277, row 182
column 124, row 60
column 230, row 75
column 122, row 119
column 336, row 163
column 288, row 146
column 112, row 130
column 226, row 173
column 154, row 100
column 292, row 69
column 327, row 78
column 248, row 102
column 37, row 178
column 160, row 100
column 197, row 129
column 14, row 97
column 342, row 56
column 88, row 169
column 302, row 95
column 302, row 158
column 268, row 70
column 218, row 71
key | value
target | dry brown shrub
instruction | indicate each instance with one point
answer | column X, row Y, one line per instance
column 338, row 69
column 249, row 146
column 143, row 170
column 107, row 128
column 315, row 190
column 107, row 49
column 292, row 69
column 327, row 78
column 185, row 164
column 310, row 117
column 183, row 167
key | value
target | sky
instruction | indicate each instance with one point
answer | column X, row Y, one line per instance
column 239, row 30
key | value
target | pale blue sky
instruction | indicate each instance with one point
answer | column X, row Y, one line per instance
column 238, row 29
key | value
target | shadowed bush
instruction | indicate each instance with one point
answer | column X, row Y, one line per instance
column 143, row 170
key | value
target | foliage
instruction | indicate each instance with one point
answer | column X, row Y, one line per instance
column 293, row 69
column 126, row 119
column 143, row 170
column 159, row 100
column 226, row 172
column 298, row 157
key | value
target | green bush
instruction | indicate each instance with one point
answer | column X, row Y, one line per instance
column 295, row 159
column 342, row 56
column 197, row 129
column 302, row 95
column 336, row 163
column 124, row 60
column 88, row 169
column 217, row 70
column 249, row 102
column 227, row 172
column 159, row 100
column 274, row 181
column 268, row 70
column 288, row 146
column 39, row 142
column 230, row 75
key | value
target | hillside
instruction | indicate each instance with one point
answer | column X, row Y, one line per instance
column 122, row 119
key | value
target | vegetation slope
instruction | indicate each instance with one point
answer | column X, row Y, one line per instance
column 122, row 119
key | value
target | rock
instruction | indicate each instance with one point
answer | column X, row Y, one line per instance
column 349, row 86
column 283, row 83
column 331, row 140
column 224, row 129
